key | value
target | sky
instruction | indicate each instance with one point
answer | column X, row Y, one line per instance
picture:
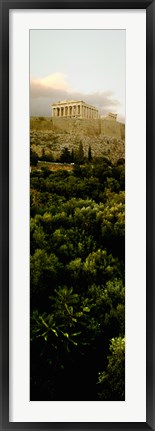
column 86, row 65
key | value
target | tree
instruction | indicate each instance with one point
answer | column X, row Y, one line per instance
column 48, row 157
column 112, row 381
column 89, row 154
column 77, row 281
column 80, row 154
column 65, row 156
column 44, row 269
column 33, row 158
column 72, row 156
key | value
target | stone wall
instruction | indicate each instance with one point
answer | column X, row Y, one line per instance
column 89, row 127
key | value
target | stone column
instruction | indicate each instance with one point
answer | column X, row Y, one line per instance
column 81, row 110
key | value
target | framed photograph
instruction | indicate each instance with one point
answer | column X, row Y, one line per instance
column 77, row 215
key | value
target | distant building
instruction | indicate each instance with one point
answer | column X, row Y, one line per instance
column 111, row 116
column 74, row 109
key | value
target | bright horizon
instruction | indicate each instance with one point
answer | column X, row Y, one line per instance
column 86, row 65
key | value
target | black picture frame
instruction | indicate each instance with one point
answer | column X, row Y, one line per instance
column 149, row 6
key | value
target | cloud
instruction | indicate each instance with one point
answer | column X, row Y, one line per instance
column 49, row 86
column 55, row 81
column 54, row 88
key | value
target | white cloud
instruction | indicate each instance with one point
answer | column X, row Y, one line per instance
column 56, row 81
column 55, row 87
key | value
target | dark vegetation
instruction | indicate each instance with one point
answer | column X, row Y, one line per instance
column 77, row 281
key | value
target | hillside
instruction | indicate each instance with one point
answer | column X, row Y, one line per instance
column 51, row 135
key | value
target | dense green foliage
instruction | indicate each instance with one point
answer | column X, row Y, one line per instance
column 77, row 282
column 111, row 381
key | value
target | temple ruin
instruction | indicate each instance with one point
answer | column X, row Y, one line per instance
column 74, row 109
column 110, row 116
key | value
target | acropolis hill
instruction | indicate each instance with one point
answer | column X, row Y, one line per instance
column 51, row 134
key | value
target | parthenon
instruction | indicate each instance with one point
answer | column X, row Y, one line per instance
column 74, row 109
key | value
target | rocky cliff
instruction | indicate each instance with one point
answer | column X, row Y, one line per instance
column 106, row 138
